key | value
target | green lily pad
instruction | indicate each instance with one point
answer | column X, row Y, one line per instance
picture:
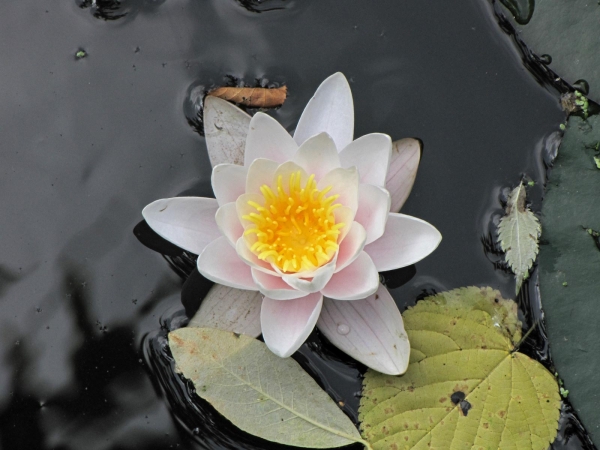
column 569, row 267
column 568, row 32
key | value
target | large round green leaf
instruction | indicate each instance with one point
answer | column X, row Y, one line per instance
column 568, row 32
column 569, row 266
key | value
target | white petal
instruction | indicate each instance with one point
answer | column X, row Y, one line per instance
column 343, row 182
column 320, row 278
column 330, row 110
column 318, row 155
column 370, row 330
column 251, row 259
column 230, row 309
column 285, row 171
column 404, row 163
column 260, row 172
column 243, row 208
column 373, row 210
column 225, row 128
column 228, row 182
column 268, row 139
column 219, row 262
column 274, row 287
column 188, row 222
column 359, row 280
column 344, row 215
column 229, row 223
column 351, row 246
column 286, row 325
column 406, row 240
column 371, row 155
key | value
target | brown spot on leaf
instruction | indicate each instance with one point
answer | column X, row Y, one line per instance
column 443, row 399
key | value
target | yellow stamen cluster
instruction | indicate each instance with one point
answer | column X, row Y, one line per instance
column 295, row 229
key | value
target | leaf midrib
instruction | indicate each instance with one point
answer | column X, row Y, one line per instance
column 297, row 414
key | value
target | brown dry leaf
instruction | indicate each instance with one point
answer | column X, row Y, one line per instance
column 252, row 97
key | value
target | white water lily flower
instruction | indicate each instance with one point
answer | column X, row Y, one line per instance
column 306, row 218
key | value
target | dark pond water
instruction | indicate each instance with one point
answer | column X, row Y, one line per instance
column 87, row 142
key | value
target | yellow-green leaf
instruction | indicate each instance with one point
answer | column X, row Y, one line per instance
column 465, row 387
column 262, row 394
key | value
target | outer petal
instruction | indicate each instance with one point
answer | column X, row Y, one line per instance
column 351, row 246
column 373, row 210
column 229, row 223
column 286, row 325
column 370, row 330
column 260, row 172
column 406, row 240
column 359, row 280
column 188, row 222
column 230, row 309
column 228, row 182
column 330, row 110
column 406, row 154
column 225, row 127
column 320, row 278
column 268, row 139
column 220, row 263
column 343, row 182
column 318, row 155
column 371, row 155
column 274, row 287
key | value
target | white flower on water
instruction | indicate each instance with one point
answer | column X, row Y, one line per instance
column 306, row 221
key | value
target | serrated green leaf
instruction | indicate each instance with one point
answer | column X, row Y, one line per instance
column 260, row 393
column 508, row 400
column 518, row 233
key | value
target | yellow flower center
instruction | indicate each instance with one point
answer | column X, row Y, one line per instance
column 295, row 229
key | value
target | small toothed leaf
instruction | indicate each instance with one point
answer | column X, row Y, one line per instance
column 518, row 233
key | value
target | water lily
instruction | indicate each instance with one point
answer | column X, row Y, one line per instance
column 306, row 221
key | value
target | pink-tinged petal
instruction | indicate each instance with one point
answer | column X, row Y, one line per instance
column 371, row 155
column 230, row 309
column 318, row 155
column 406, row 154
column 370, row 330
column 188, row 222
column 219, row 262
column 260, row 172
column 359, row 280
column 229, row 223
column 331, row 110
column 274, row 287
column 373, row 210
column 225, row 127
column 343, row 182
column 286, row 325
column 241, row 247
column 320, row 278
column 244, row 208
column 351, row 246
column 406, row 241
column 228, row 182
column 344, row 215
column 268, row 139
